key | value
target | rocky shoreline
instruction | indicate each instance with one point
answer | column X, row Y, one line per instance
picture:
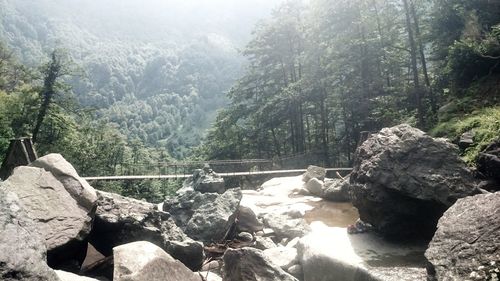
column 413, row 194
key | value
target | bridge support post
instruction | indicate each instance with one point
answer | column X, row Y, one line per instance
column 20, row 152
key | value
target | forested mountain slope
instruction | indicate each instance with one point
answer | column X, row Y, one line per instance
column 158, row 70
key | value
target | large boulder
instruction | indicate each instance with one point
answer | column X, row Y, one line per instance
column 466, row 243
column 204, row 216
column 403, row 180
column 120, row 220
column 23, row 251
column 251, row 264
column 63, row 218
column 141, row 260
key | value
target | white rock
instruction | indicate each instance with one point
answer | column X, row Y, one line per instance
column 284, row 257
column 67, row 276
column 139, row 261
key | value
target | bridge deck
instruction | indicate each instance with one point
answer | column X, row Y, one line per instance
column 233, row 174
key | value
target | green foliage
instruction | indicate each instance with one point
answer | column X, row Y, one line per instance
column 466, row 41
column 484, row 123
column 154, row 191
column 163, row 90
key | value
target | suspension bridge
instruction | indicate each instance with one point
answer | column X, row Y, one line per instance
column 228, row 174
column 21, row 152
column 224, row 168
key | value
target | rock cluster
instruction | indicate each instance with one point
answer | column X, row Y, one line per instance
column 403, row 180
column 120, row 220
column 330, row 189
column 49, row 215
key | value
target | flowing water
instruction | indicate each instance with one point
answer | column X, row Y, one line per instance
column 332, row 214
column 328, row 221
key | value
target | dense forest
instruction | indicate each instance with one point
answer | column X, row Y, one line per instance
column 322, row 73
column 116, row 88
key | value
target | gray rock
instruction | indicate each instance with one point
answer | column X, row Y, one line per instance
column 314, row 172
column 330, row 189
column 141, row 260
column 210, row 184
column 397, row 274
column 62, row 221
column 23, row 251
column 403, row 180
column 466, row 243
column 204, row 216
column 250, row 264
column 78, row 187
column 189, row 252
column 283, row 257
column 293, row 243
column 315, row 187
column 213, row 266
column 68, row 276
column 247, row 221
column 207, row 180
column 466, row 140
column 264, row 243
column 244, row 237
column 286, row 227
column 296, row 271
column 336, row 190
column 210, row 276
column 120, row 220
column 488, row 161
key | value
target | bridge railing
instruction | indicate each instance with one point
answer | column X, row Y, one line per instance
column 225, row 175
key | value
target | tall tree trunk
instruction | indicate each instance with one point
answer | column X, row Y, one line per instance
column 47, row 94
column 275, row 142
column 384, row 71
column 422, row 57
column 414, row 66
column 324, row 127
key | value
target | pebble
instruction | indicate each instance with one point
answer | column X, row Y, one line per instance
column 245, row 237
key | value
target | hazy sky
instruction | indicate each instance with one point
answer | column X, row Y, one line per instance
column 154, row 19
